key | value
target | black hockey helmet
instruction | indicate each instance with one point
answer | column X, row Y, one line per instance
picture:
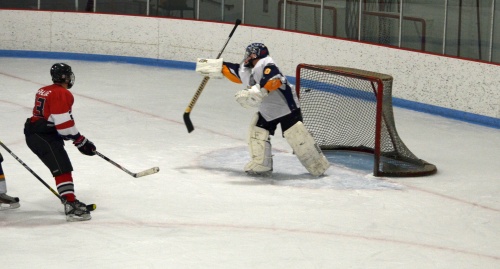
column 255, row 51
column 61, row 73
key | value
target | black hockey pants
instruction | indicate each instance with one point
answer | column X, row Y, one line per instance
column 44, row 140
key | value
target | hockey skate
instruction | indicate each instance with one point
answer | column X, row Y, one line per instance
column 76, row 211
column 8, row 202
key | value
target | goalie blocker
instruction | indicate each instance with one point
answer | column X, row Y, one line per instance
column 209, row 67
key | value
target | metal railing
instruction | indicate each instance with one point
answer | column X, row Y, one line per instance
column 434, row 26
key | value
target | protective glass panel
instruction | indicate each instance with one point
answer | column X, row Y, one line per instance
column 468, row 29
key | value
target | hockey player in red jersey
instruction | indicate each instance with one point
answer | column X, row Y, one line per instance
column 269, row 90
column 6, row 201
column 46, row 130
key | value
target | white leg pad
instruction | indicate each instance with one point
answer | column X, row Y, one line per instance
column 3, row 186
column 306, row 149
column 260, row 151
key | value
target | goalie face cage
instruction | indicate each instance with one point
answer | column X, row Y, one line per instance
column 351, row 109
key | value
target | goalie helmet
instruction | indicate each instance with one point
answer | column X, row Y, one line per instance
column 255, row 51
column 61, row 73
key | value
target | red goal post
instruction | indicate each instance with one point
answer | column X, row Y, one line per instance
column 351, row 109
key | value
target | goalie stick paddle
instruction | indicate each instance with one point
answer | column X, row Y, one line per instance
column 90, row 207
column 139, row 174
column 187, row 119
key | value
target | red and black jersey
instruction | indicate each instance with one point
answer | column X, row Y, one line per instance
column 53, row 103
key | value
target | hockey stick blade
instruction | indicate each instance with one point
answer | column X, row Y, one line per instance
column 187, row 121
column 147, row 172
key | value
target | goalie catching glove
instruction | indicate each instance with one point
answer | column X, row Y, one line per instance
column 85, row 146
column 209, row 67
column 251, row 97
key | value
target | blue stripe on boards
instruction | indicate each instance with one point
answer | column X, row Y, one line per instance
column 98, row 58
column 416, row 106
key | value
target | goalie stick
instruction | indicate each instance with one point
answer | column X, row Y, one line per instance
column 90, row 207
column 187, row 120
column 139, row 174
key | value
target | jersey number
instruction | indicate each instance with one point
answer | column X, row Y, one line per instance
column 40, row 103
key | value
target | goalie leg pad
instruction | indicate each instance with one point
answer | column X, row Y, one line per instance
column 260, row 150
column 3, row 184
column 306, row 149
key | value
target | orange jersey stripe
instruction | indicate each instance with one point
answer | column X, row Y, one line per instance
column 232, row 77
column 273, row 84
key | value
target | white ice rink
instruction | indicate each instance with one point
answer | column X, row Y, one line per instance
column 202, row 211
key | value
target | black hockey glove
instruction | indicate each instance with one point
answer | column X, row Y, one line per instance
column 85, row 146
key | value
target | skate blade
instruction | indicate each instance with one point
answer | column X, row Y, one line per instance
column 9, row 206
column 73, row 218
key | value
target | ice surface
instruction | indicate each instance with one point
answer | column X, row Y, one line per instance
column 202, row 211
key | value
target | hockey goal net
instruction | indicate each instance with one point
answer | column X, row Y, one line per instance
column 351, row 109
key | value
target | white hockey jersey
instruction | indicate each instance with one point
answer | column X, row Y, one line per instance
column 282, row 98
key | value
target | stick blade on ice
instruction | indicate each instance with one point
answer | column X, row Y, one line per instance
column 188, row 123
column 147, row 172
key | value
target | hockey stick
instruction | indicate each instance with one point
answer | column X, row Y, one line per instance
column 187, row 120
column 90, row 207
column 139, row 174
